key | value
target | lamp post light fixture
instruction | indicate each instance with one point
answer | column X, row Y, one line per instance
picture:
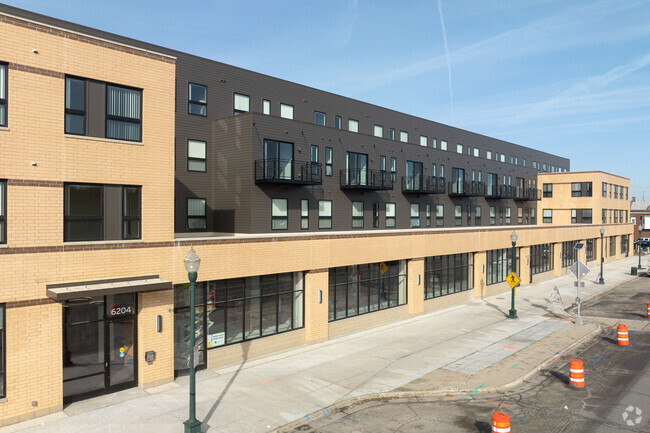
column 192, row 262
column 602, row 259
column 638, row 245
column 512, row 314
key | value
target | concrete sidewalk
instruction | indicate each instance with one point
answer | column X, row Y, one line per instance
column 469, row 348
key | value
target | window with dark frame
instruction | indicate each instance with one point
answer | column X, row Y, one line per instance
column 3, row 350
column 393, row 169
column 375, row 215
column 440, row 215
column 3, row 212
column 314, row 159
column 325, row 214
column 328, row 161
column 75, row 106
column 279, row 214
column 612, row 246
column 499, row 264
column 547, row 189
column 123, row 113
column 197, row 99
column 568, row 253
column 304, row 214
column 493, row 215
column 131, row 212
column 589, row 250
column 446, row 275
column 196, row 155
column 604, row 189
column 390, row 215
column 547, row 216
column 382, row 167
column 458, row 215
column 392, row 133
column 541, row 258
column 83, row 212
column 357, row 214
column 320, row 118
column 415, row 215
column 338, row 122
column 3, row 94
column 196, row 215
column 427, row 215
column 240, row 104
column 477, row 215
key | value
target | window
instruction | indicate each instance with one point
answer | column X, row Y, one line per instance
column 324, row 214
column 589, row 250
column 393, row 169
column 3, row 99
column 508, row 211
column 610, row 190
column 434, row 143
column 353, row 125
column 615, row 216
column 241, row 104
column 415, row 215
column 427, row 215
column 469, row 150
column 547, row 190
column 523, row 162
column 444, row 275
column 532, row 216
column 3, row 350
column 278, row 160
column 488, row 154
column 75, row 106
column 604, row 216
column 238, row 309
column 581, row 189
column 361, row 289
column 286, row 111
column 440, row 215
column 320, row 118
column 375, row 215
column 503, row 157
column 442, row 172
column 612, row 246
column 476, row 152
column 279, row 217
column 86, row 204
column 568, row 253
column 458, row 215
column 547, row 216
column 604, row 189
column 328, row 161
column 520, row 216
column 457, row 180
column 492, row 185
column 196, row 155
column 392, row 133
column 615, row 191
column 459, row 148
column 131, row 212
column 469, row 215
column 493, row 215
column 544, row 167
column 196, row 219
column 338, row 122
column 379, row 131
column 382, row 167
column 511, row 159
column 541, row 258
column 314, row 159
column 477, row 215
column 3, row 212
column 266, row 107
column 580, row 216
column 123, row 113
column 433, row 171
column 443, row 145
column 423, row 140
column 390, row 214
column 304, row 214
column 357, row 168
column 404, row 136
column 197, row 99
column 413, row 176
column 357, row 214
column 499, row 265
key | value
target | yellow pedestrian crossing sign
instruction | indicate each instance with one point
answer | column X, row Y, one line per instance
column 383, row 267
column 512, row 279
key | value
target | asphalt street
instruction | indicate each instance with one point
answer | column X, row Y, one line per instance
column 616, row 397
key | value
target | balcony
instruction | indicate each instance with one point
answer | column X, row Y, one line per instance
column 507, row 191
column 423, row 185
column 366, row 179
column 288, row 172
column 524, row 194
column 466, row 189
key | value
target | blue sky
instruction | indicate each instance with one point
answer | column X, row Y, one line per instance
column 568, row 77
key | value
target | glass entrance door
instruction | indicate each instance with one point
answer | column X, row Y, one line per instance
column 121, row 351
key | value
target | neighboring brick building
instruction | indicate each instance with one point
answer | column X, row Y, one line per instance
column 314, row 215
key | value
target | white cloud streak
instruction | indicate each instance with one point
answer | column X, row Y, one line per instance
column 444, row 39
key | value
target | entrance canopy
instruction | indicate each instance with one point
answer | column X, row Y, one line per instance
column 62, row 292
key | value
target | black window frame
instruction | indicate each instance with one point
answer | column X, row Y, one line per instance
column 3, row 211
column 458, row 215
column 324, row 115
column 126, row 219
column 304, row 214
column 109, row 117
column 477, row 215
column 415, row 220
column 66, row 218
column 449, row 274
column 357, row 221
column 427, row 215
column 197, row 103
column 203, row 160
column 313, row 159
column 541, row 258
column 547, row 189
column 236, row 112
column 4, row 101
column 325, row 218
column 278, row 219
column 391, row 220
column 3, row 348
column 338, row 122
column 549, row 219
column 612, row 246
column 375, row 215
column 188, row 216
column 498, row 264
column 329, row 170
column 440, row 216
column 72, row 111
column 393, row 169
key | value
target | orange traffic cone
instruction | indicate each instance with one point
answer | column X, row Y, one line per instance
column 623, row 339
column 648, row 311
column 500, row 422
column 576, row 374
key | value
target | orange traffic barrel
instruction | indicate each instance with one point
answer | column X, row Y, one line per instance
column 648, row 311
column 500, row 422
column 576, row 374
column 623, row 339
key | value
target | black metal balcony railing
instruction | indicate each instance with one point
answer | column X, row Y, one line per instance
column 527, row 194
column 288, row 172
column 423, row 185
column 466, row 189
column 365, row 179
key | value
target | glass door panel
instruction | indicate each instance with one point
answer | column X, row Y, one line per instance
column 121, row 351
column 83, row 358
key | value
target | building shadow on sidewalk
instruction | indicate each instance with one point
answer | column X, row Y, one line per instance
column 205, row 426
column 496, row 307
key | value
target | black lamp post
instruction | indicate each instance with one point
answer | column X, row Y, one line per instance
column 192, row 262
column 512, row 314
column 602, row 259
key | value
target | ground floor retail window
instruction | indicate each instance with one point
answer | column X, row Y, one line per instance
column 541, row 258
column 3, row 351
column 235, row 310
column 612, row 246
column 568, row 253
column 99, row 345
column 360, row 289
column 589, row 249
column 444, row 275
column 499, row 265
column 624, row 243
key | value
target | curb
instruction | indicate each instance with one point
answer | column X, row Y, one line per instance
column 337, row 407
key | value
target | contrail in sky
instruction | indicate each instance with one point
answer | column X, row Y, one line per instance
column 444, row 38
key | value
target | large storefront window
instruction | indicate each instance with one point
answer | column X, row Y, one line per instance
column 612, row 246
column 236, row 310
column 360, row 289
column 444, row 275
column 568, row 253
column 541, row 258
column 589, row 249
column 499, row 265
column 624, row 242
column 3, row 350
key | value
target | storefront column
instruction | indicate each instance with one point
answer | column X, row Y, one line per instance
column 316, row 304
column 480, row 287
column 557, row 260
column 416, row 279
column 618, row 247
column 155, row 335
column 524, row 266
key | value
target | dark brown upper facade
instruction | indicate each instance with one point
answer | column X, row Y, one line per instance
column 259, row 171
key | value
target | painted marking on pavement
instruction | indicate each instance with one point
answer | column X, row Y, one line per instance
column 596, row 360
column 267, row 381
column 307, row 416
column 514, row 366
column 523, row 419
column 449, row 395
column 555, row 342
column 316, row 405
column 491, row 400
column 509, row 347
column 477, row 388
column 326, row 411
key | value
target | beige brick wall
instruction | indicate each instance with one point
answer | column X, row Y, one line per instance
column 315, row 312
column 415, row 295
column 152, row 304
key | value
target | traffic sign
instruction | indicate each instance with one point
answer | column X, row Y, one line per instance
column 383, row 267
column 512, row 279
column 579, row 268
column 579, row 246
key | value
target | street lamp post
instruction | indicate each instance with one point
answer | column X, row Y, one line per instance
column 638, row 245
column 602, row 259
column 192, row 262
column 512, row 314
